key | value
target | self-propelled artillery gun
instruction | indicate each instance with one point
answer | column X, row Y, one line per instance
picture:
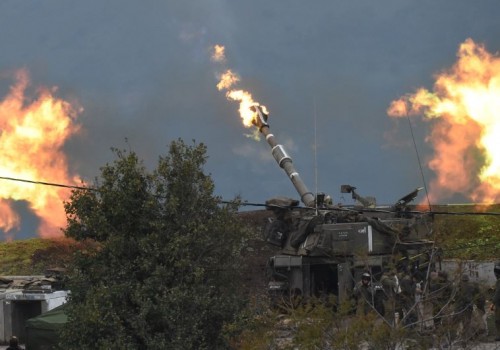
column 325, row 248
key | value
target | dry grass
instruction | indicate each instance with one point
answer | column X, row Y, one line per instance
column 33, row 256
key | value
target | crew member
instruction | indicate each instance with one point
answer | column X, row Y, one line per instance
column 363, row 293
column 467, row 296
column 390, row 284
column 496, row 300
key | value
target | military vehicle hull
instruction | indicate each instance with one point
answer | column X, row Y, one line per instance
column 325, row 248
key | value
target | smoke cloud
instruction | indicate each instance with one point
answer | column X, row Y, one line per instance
column 327, row 71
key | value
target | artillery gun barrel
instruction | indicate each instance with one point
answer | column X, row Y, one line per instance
column 282, row 158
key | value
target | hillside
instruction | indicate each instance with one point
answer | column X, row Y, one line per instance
column 460, row 236
column 463, row 233
column 33, row 256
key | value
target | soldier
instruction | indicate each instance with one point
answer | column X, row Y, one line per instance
column 390, row 285
column 14, row 344
column 363, row 293
column 409, row 299
column 495, row 305
column 420, row 302
column 467, row 295
column 440, row 295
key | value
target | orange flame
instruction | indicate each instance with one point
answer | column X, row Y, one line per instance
column 32, row 135
column 465, row 107
column 226, row 81
column 218, row 54
column 246, row 101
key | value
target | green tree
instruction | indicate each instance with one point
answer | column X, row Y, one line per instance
column 162, row 273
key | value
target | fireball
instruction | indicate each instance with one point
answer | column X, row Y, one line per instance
column 464, row 107
column 32, row 134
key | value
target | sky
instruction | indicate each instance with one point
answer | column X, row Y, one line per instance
column 327, row 70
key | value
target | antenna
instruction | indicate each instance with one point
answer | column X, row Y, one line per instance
column 315, row 153
column 419, row 162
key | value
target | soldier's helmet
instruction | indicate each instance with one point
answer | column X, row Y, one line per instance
column 13, row 342
column 366, row 276
column 496, row 269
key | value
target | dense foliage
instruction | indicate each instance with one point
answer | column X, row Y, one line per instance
column 469, row 232
column 164, row 272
